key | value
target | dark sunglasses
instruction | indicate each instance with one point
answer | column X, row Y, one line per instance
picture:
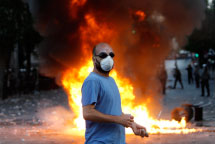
column 104, row 55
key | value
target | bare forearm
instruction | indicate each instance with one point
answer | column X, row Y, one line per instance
column 96, row 116
column 90, row 113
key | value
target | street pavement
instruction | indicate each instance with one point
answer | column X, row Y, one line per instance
column 22, row 119
column 189, row 95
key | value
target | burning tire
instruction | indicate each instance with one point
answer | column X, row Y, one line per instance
column 180, row 112
column 189, row 109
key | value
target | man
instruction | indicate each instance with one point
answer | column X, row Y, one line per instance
column 205, row 81
column 177, row 75
column 101, row 102
column 197, row 75
column 190, row 74
column 162, row 76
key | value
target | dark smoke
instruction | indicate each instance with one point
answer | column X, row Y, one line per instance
column 140, row 46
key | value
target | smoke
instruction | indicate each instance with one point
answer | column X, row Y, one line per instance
column 140, row 46
column 56, row 118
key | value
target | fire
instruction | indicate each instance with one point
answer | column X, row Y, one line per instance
column 78, row 2
column 75, row 6
column 72, row 82
column 92, row 32
column 140, row 14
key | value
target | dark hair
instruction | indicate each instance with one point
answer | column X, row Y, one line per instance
column 94, row 50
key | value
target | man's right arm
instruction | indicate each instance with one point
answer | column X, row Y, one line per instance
column 91, row 114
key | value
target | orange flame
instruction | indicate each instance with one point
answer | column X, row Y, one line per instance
column 91, row 33
column 78, row 2
column 141, row 15
column 72, row 82
column 74, row 7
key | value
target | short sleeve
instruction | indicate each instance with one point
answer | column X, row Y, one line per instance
column 90, row 92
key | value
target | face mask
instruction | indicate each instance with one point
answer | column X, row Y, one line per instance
column 107, row 64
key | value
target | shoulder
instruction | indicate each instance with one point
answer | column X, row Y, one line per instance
column 91, row 79
column 112, row 79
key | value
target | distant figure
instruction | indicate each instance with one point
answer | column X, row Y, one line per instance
column 213, row 65
column 5, row 84
column 34, row 79
column 177, row 75
column 190, row 74
column 163, row 77
column 13, row 82
column 205, row 81
column 197, row 75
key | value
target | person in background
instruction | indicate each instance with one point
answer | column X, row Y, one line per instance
column 177, row 75
column 196, row 75
column 190, row 74
column 162, row 75
column 205, row 81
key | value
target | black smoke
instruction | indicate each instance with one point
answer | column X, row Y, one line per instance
column 140, row 46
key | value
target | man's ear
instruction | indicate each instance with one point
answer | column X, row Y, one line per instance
column 94, row 58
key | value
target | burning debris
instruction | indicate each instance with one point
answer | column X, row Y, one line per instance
column 188, row 111
column 140, row 33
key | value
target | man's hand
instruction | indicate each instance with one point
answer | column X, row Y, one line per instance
column 126, row 120
column 137, row 129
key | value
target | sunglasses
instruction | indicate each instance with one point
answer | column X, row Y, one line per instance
column 104, row 55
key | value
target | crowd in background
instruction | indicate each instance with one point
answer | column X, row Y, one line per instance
column 197, row 73
column 200, row 76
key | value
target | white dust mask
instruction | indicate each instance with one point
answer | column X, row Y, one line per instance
column 107, row 63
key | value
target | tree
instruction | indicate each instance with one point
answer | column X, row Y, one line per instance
column 16, row 27
column 201, row 40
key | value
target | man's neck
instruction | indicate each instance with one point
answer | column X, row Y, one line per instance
column 100, row 73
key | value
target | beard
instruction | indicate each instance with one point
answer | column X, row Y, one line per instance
column 98, row 67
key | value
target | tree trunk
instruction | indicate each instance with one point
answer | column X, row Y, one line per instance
column 1, row 82
column 2, row 73
column 28, row 58
column 4, row 63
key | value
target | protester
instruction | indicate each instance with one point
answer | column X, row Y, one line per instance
column 177, row 75
column 197, row 75
column 105, row 121
column 162, row 75
column 205, row 80
column 190, row 74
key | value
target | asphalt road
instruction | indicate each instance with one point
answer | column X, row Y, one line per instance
column 21, row 124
